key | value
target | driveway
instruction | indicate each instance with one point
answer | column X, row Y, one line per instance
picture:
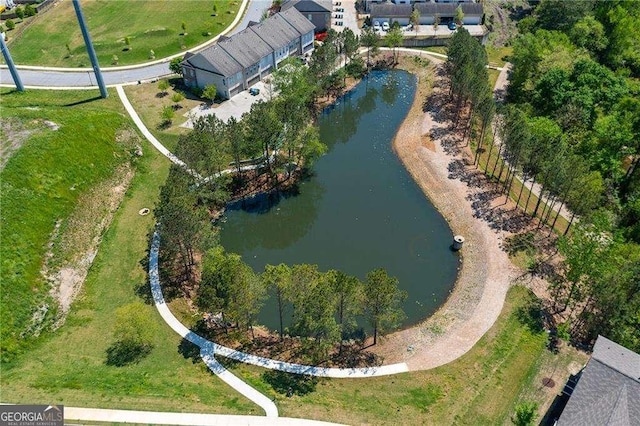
column 52, row 77
column 234, row 107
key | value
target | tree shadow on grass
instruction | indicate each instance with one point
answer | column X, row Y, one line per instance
column 125, row 352
column 290, row 384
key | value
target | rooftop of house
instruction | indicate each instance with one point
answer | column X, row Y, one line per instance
column 391, row 10
column 246, row 48
column 275, row 31
column 609, row 389
column 449, row 9
column 297, row 21
column 311, row 6
column 214, row 59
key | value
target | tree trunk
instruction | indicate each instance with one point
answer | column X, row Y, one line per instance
column 533, row 182
column 495, row 165
column 566, row 231
column 520, row 194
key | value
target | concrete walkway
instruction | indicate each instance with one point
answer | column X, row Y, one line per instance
column 35, row 77
column 209, row 349
column 190, row 419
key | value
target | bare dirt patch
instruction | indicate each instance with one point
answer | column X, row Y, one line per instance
column 13, row 133
column 473, row 210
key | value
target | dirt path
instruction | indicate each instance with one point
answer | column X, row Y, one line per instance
column 428, row 147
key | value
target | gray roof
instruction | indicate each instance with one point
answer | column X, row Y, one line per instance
column 297, row 21
column 214, row 59
column 311, row 6
column 449, row 9
column 275, row 31
column 608, row 393
column 246, row 47
column 390, row 10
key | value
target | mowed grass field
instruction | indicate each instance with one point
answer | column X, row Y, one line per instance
column 41, row 184
column 149, row 24
column 68, row 365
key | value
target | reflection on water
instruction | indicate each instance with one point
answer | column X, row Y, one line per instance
column 361, row 210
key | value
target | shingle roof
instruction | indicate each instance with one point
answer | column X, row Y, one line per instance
column 275, row 31
column 297, row 21
column 609, row 389
column 449, row 9
column 246, row 47
column 391, row 10
column 307, row 5
column 215, row 59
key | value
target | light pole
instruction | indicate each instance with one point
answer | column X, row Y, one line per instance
column 89, row 44
column 10, row 64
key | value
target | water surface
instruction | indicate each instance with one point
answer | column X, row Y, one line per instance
column 360, row 211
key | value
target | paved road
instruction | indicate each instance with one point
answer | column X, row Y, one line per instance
column 83, row 78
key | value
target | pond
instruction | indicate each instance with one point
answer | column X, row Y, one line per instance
column 361, row 209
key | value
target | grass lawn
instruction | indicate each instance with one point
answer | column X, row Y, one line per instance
column 482, row 387
column 68, row 366
column 41, row 184
column 149, row 24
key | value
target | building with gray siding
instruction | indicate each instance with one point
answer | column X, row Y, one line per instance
column 236, row 63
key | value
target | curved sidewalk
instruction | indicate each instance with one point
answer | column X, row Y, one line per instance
column 209, row 349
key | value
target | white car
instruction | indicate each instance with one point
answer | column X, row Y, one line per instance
column 385, row 26
column 376, row 26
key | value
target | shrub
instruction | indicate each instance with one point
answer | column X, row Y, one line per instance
column 526, row 413
column 20, row 13
column 163, row 85
column 210, row 92
column 133, row 332
column 29, row 10
column 127, row 42
column 177, row 97
column 114, row 60
column 10, row 24
column 167, row 115
column 175, row 66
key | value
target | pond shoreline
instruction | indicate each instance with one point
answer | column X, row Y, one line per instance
column 485, row 273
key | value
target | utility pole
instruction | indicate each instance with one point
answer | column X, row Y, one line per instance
column 89, row 44
column 10, row 64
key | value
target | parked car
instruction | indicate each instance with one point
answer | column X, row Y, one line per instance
column 385, row 26
column 452, row 26
column 254, row 91
column 376, row 27
column 409, row 27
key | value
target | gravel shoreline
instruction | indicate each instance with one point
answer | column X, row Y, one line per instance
column 427, row 147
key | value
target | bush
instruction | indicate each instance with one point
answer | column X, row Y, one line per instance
column 210, row 92
column 163, row 85
column 29, row 10
column 177, row 97
column 133, row 331
column 114, row 60
column 10, row 24
column 526, row 413
column 167, row 115
column 20, row 13
column 175, row 66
